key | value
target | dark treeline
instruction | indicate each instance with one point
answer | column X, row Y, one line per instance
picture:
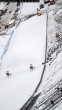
column 19, row 1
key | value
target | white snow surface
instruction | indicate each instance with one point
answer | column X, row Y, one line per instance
column 27, row 47
column 29, row 7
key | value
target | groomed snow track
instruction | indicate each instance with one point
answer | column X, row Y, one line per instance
column 53, row 96
column 31, row 101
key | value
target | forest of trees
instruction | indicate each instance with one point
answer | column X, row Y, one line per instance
column 29, row 0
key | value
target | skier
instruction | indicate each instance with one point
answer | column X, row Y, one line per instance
column 7, row 73
column 31, row 67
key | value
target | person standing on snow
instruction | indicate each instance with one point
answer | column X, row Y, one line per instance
column 31, row 67
column 7, row 73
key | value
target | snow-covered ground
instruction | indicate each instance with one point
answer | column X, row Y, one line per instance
column 32, row 7
column 27, row 47
column 53, row 71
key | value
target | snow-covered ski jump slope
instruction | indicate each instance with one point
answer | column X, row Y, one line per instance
column 27, row 47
